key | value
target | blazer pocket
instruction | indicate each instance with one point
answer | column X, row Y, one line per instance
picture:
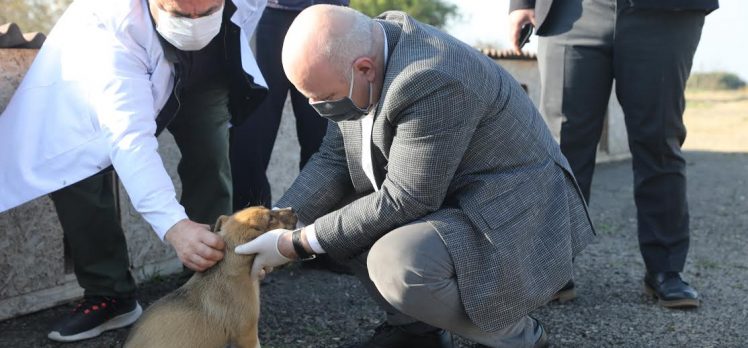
column 509, row 207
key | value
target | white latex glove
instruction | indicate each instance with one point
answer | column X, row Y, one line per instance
column 268, row 254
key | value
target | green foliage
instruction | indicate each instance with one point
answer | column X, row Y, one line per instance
column 41, row 15
column 33, row 15
column 715, row 81
column 434, row 12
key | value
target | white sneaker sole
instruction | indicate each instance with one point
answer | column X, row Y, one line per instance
column 117, row 322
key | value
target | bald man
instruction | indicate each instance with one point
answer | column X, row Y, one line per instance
column 438, row 182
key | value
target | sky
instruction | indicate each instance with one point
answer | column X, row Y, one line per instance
column 723, row 46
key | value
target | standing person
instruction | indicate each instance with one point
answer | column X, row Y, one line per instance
column 647, row 47
column 437, row 182
column 252, row 143
column 111, row 76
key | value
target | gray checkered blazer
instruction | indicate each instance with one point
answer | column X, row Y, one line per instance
column 456, row 142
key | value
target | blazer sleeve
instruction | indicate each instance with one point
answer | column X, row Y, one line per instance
column 432, row 135
column 323, row 182
column 521, row 4
column 121, row 94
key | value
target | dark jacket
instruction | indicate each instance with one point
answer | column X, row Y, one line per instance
column 244, row 94
column 544, row 7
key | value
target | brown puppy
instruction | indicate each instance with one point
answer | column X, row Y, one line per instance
column 217, row 307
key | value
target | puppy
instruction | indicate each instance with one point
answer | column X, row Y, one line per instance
column 217, row 307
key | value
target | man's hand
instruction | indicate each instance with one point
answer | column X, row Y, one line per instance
column 197, row 247
column 517, row 19
column 268, row 249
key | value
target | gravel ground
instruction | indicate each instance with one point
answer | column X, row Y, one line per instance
column 311, row 308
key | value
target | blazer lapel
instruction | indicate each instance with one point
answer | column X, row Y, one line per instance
column 351, row 131
column 381, row 137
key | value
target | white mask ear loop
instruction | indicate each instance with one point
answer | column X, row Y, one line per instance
column 371, row 92
column 371, row 96
column 350, row 90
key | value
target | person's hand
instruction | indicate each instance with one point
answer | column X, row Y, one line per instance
column 268, row 248
column 197, row 247
column 517, row 19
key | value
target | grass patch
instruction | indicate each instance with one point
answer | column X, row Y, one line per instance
column 707, row 264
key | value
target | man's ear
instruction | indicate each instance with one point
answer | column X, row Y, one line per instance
column 219, row 222
column 366, row 66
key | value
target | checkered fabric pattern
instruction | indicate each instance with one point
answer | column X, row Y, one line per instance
column 455, row 142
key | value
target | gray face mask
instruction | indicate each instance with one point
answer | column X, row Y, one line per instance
column 343, row 109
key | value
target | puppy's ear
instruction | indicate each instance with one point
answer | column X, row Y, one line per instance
column 219, row 222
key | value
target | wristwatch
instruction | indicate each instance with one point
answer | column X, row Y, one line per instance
column 299, row 247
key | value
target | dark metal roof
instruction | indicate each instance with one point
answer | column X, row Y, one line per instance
column 507, row 54
column 12, row 37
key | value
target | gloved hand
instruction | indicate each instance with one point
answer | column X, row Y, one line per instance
column 268, row 253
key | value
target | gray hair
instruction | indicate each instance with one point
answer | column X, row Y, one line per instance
column 355, row 43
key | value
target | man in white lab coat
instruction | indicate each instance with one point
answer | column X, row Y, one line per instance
column 111, row 76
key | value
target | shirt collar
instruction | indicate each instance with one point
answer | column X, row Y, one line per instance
column 386, row 47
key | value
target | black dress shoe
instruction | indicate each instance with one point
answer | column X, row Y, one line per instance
column 390, row 336
column 326, row 263
column 542, row 341
column 671, row 290
column 566, row 294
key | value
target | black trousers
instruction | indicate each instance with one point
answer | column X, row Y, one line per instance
column 90, row 222
column 252, row 142
column 648, row 53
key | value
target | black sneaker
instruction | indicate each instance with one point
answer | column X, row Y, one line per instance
column 94, row 315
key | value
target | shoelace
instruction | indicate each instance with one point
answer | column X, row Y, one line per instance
column 89, row 304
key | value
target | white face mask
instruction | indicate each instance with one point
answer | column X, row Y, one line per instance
column 189, row 34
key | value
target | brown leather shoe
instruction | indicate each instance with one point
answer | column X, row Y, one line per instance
column 566, row 294
column 670, row 290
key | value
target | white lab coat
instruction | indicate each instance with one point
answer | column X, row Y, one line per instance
column 90, row 100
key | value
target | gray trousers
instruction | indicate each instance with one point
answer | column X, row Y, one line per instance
column 588, row 44
column 410, row 274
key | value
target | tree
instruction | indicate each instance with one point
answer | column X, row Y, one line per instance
column 33, row 15
column 715, row 81
column 434, row 12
